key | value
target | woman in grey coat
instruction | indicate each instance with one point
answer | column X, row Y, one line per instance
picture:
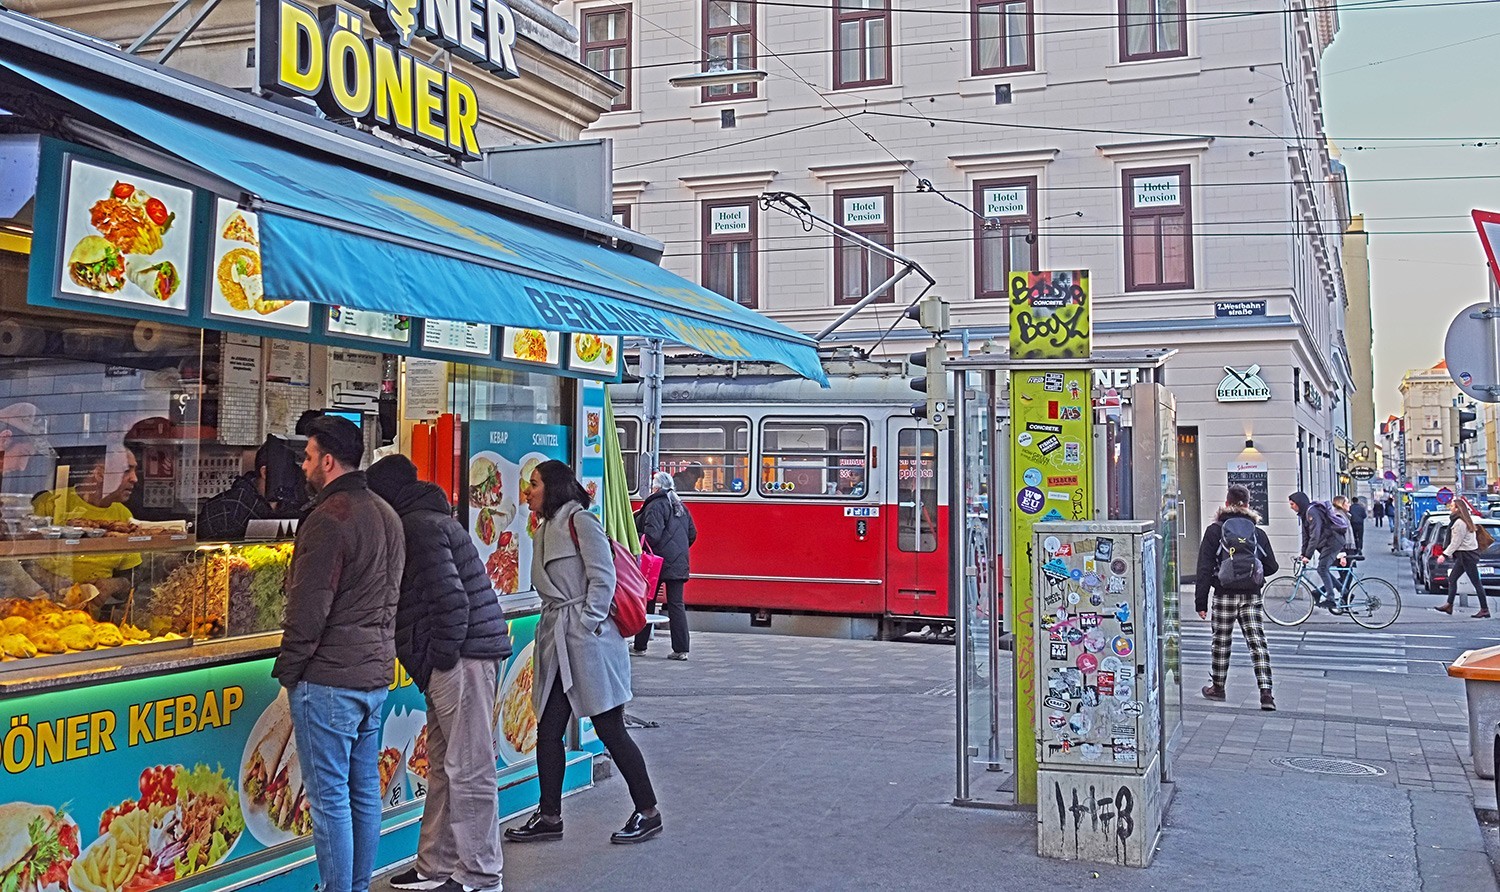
column 582, row 667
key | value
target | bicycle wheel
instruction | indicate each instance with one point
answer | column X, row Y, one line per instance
column 1374, row 603
column 1287, row 600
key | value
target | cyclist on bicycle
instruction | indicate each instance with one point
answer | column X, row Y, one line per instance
column 1323, row 535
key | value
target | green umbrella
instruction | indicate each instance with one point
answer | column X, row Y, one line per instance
column 619, row 520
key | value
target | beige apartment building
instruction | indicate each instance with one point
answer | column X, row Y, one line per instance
column 1427, row 397
column 1359, row 333
column 1175, row 154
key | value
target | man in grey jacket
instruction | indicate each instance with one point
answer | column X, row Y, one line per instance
column 338, row 651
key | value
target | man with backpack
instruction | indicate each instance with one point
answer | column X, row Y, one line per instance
column 1235, row 559
column 1324, row 532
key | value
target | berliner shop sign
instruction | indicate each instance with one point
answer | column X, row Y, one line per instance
column 326, row 55
column 1243, row 386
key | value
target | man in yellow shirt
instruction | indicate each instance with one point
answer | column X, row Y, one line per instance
column 89, row 500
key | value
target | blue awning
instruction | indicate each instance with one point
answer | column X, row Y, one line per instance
column 335, row 234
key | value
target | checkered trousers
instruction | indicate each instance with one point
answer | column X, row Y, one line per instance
column 1244, row 608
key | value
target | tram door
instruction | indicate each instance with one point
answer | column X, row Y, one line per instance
column 915, row 565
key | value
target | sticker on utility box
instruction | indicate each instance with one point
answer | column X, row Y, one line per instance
column 862, row 511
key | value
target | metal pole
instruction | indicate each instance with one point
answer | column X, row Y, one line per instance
column 957, row 578
column 155, row 29
column 992, row 557
column 187, row 32
column 653, row 375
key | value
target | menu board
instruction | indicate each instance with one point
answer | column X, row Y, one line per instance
column 501, row 457
column 126, row 238
column 368, row 325
column 1254, row 476
column 593, row 353
column 532, row 345
column 236, row 289
column 469, row 338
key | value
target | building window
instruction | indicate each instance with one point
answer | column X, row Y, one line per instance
column 606, row 46
column 729, row 256
column 857, row 269
column 620, row 213
column 729, row 40
column 1158, row 230
column 1002, row 40
column 1152, row 29
column 1005, row 242
column 861, row 43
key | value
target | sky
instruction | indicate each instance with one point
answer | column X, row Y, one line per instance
column 1417, row 69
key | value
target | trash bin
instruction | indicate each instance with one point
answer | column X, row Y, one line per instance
column 1480, row 670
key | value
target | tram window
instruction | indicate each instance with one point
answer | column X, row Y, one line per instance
column 800, row 459
column 629, row 430
column 707, row 456
column 916, row 490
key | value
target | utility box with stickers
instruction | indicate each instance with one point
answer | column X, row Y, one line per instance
column 1099, row 690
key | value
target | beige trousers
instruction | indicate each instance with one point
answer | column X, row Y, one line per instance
column 461, row 821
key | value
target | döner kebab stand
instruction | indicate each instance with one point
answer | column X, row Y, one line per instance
column 184, row 272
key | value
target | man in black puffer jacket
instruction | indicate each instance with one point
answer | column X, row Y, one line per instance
column 451, row 637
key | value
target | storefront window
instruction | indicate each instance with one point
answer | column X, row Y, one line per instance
column 801, row 459
column 481, row 393
column 707, row 456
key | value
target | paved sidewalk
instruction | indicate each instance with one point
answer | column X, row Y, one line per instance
column 787, row 763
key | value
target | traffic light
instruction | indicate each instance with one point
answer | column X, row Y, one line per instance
column 931, row 312
column 1465, row 418
column 934, row 383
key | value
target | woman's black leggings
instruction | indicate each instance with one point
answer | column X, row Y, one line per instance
column 1461, row 562
column 551, row 753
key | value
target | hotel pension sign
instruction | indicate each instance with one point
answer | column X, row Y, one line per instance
column 325, row 54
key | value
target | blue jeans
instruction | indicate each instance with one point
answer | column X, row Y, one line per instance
column 338, row 742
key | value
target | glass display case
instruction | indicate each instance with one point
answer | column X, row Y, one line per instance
column 178, row 592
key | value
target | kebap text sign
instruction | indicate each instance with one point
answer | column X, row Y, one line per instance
column 326, row 55
column 1049, row 315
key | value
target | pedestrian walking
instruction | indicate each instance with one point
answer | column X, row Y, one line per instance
column 1462, row 555
column 1341, row 508
column 582, row 667
column 451, row 638
column 1321, row 536
column 1378, row 511
column 668, row 527
column 1357, row 515
column 338, row 649
column 1234, row 561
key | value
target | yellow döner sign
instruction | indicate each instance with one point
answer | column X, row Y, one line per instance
column 324, row 54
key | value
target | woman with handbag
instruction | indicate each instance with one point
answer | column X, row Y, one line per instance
column 1462, row 553
column 581, row 662
column 669, row 530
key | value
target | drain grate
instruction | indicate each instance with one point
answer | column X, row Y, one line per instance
column 1339, row 767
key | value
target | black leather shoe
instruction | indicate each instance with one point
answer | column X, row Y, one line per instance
column 638, row 829
column 536, row 829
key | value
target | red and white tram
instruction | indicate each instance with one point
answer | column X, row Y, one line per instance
column 819, row 511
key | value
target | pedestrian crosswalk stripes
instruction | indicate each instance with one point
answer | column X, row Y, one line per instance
column 1329, row 650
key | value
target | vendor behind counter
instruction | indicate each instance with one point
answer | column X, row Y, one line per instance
column 102, row 482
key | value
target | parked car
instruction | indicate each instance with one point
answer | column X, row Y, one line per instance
column 1421, row 544
column 1432, row 566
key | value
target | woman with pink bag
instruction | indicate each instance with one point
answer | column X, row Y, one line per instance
column 669, row 532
